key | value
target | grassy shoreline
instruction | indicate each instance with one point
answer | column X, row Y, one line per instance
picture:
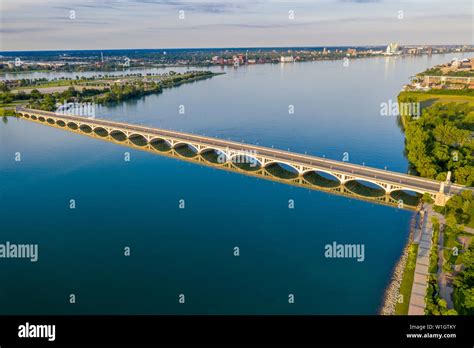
column 406, row 283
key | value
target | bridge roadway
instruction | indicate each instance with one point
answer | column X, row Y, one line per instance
column 422, row 184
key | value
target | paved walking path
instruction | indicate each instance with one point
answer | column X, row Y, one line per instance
column 420, row 281
column 469, row 230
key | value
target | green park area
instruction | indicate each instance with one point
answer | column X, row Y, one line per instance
column 439, row 140
column 429, row 98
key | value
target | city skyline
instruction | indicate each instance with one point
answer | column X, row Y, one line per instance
column 148, row 24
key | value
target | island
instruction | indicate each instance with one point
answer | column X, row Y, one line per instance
column 48, row 95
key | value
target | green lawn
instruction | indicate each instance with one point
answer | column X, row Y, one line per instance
column 432, row 98
column 44, row 84
column 407, row 281
column 471, row 220
column 433, row 267
column 449, row 243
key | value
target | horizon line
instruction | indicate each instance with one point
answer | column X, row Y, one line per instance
column 232, row 48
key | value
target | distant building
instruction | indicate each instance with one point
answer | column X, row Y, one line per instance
column 465, row 63
column 287, row 59
column 411, row 50
column 455, row 63
column 392, row 49
column 352, row 51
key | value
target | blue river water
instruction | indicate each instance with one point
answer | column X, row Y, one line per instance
column 190, row 251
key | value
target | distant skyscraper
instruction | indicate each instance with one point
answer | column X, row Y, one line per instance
column 392, row 49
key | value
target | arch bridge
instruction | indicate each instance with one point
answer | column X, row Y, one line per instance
column 278, row 165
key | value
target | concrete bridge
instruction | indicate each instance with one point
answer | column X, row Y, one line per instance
column 283, row 166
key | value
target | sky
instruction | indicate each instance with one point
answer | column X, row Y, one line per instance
column 108, row 24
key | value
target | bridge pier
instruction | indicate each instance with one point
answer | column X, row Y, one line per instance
column 441, row 199
column 441, row 196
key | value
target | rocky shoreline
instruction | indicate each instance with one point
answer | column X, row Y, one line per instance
column 393, row 290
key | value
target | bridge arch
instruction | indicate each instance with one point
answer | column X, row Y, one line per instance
column 101, row 131
column 212, row 155
column 85, row 128
column 72, row 125
column 186, row 149
column 41, row 119
column 61, row 123
column 138, row 139
column 282, row 170
column 365, row 188
column 118, row 135
column 245, row 162
column 160, row 144
column 411, row 190
column 407, row 196
column 321, row 178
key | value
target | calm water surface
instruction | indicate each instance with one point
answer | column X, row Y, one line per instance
column 190, row 251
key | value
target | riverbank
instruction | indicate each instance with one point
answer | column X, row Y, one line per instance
column 397, row 293
column 439, row 144
column 198, row 58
